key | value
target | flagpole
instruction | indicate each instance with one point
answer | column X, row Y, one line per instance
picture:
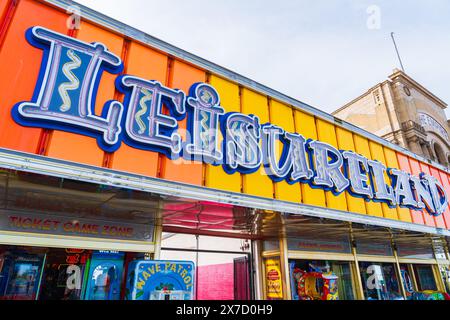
column 396, row 50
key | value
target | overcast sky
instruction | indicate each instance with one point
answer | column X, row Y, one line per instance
column 322, row 52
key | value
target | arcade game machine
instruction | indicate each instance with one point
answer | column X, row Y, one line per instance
column 315, row 283
column 20, row 272
column 64, row 274
column 105, row 275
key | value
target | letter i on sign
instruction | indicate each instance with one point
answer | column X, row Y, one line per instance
column 203, row 123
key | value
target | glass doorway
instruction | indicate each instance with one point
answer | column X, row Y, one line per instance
column 223, row 265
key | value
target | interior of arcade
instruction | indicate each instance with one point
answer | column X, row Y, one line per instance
column 66, row 239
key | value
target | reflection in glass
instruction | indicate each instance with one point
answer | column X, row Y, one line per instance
column 408, row 283
column 445, row 273
column 321, row 280
column 345, row 285
column 425, row 278
column 380, row 281
column 19, row 275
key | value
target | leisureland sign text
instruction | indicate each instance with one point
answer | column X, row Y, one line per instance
column 64, row 100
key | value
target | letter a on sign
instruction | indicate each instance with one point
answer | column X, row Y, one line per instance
column 68, row 80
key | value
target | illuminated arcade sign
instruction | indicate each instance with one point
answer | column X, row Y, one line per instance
column 64, row 100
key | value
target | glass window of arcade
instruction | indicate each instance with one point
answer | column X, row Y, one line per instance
column 62, row 239
column 317, row 266
column 70, row 240
column 335, row 260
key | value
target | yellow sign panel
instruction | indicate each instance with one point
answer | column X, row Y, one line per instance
column 274, row 284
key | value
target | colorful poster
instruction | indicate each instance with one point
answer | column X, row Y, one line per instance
column 274, row 283
column 160, row 280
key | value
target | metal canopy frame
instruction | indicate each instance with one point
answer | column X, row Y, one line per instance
column 135, row 34
column 21, row 161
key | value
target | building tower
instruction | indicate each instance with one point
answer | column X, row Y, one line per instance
column 404, row 112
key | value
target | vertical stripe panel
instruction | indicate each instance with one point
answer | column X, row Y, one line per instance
column 258, row 183
column 305, row 125
column 216, row 177
column 281, row 115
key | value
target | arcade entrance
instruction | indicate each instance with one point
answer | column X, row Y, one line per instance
column 223, row 265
